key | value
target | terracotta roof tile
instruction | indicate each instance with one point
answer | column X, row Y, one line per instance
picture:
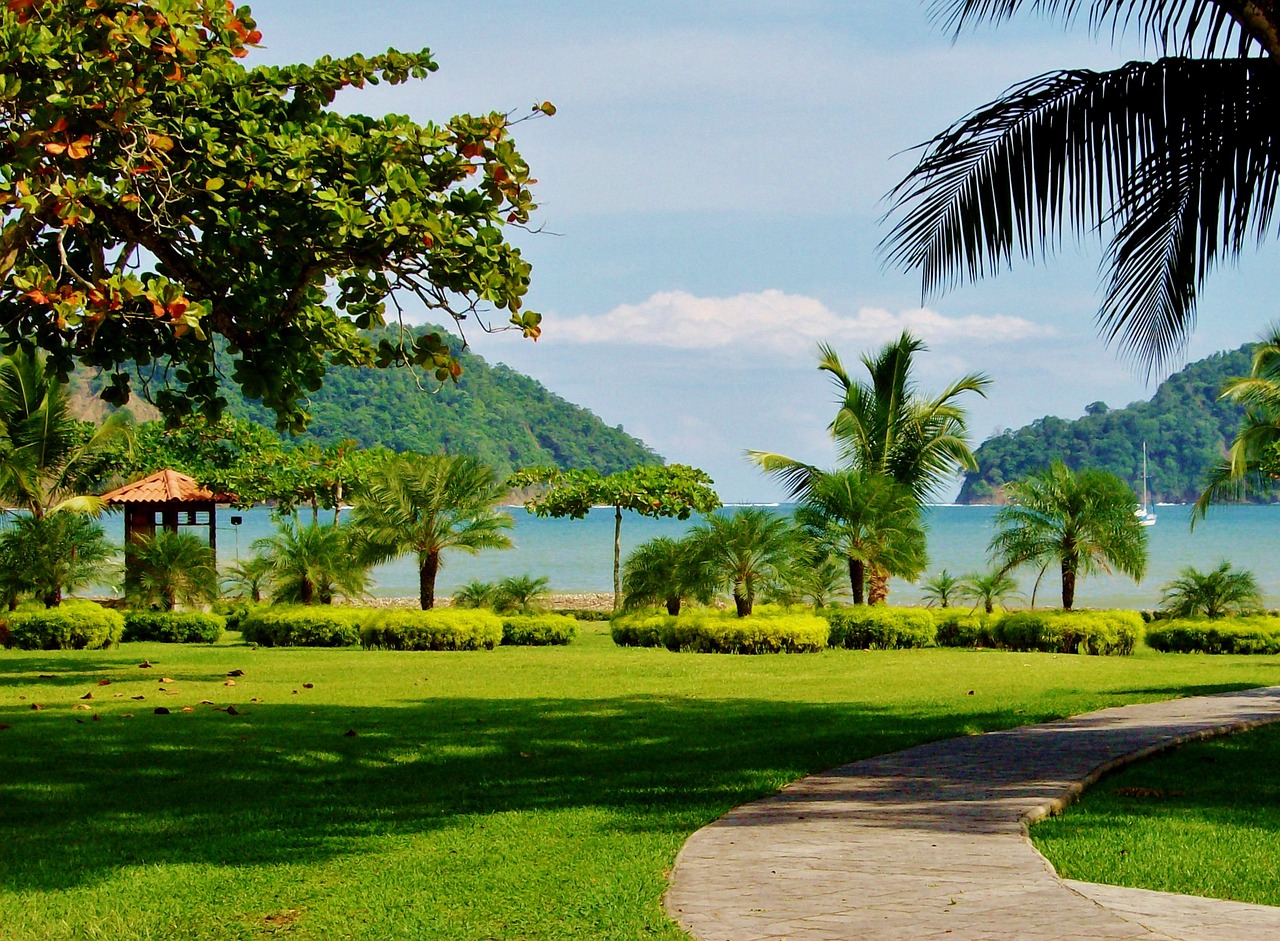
column 162, row 487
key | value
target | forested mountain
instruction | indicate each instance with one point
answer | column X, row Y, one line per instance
column 1184, row 425
column 494, row 413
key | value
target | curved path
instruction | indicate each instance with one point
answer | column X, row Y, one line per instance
column 930, row 843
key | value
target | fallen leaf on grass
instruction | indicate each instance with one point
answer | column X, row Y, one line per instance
column 160, row 711
column 167, row 679
column 138, row 697
column 36, row 706
column 3, row 726
column 188, row 708
column 236, row 673
column 256, row 699
column 206, row 702
column 47, row 676
column 229, row 683
column 1154, row 792
column 87, row 696
column 82, row 707
column 350, row 733
column 104, row 682
column 232, row 711
column 144, row 665
column 308, row 685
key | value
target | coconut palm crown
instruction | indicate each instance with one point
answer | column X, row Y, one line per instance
column 424, row 505
column 1173, row 161
column 1081, row 520
column 1216, row 594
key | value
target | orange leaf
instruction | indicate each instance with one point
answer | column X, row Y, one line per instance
column 79, row 149
column 53, row 147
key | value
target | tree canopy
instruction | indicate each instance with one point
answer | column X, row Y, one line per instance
column 156, row 195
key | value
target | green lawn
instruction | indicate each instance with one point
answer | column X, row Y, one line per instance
column 515, row 794
column 1203, row 819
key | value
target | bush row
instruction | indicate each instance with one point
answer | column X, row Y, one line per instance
column 75, row 625
column 865, row 627
column 447, row 629
column 538, row 630
column 708, row 631
column 173, row 627
column 1259, row 634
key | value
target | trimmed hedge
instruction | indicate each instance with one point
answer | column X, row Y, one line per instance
column 707, row 631
column 866, row 627
column 584, row 614
column 234, row 611
column 1086, row 632
column 538, row 630
column 1259, row 635
column 959, row 627
column 445, row 629
column 74, row 625
column 318, row 625
column 174, row 627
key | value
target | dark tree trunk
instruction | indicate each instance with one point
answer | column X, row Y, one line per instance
column 1068, row 582
column 857, row 579
column 53, row 597
column 617, row 556
column 741, row 602
column 878, row 590
column 673, row 606
column 307, row 591
column 427, row 580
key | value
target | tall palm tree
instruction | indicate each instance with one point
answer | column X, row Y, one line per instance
column 1083, row 521
column 870, row 521
column 1255, row 450
column 47, row 458
column 665, row 571
column 745, row 552
column 425, row 505
column 1225, row 590
column 311, row 564
column 1174, row 160
column 885, row 427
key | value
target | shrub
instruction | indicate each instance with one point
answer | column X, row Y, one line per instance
column 707, row 631
column 538, row 630
column 436, row 629
column 1259, row 634
column 303, row 625
column 643, row 629
column 583, row 614
column 960, row 628
column 234, row 611
column 864, row 627
column 174, row 627
column 73, row 625
column 1086, row 632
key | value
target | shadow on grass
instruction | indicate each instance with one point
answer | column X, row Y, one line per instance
column 286, row 784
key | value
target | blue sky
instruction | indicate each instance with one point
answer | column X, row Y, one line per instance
column 711, row 191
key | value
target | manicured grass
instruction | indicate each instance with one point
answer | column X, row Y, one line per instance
column 517, row 793
column 1203, row 819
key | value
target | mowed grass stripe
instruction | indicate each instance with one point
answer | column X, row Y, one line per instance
column 519, row 793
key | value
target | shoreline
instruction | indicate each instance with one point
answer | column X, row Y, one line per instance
column 568, row 601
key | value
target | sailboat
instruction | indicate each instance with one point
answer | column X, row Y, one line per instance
column 1145, row 513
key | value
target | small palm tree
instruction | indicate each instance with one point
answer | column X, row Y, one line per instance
column 475, row 594
column 313, row 563
column 819, row 579
column 425, row 505
column 1224, row 591
column 941, row 590
column 170, row 569
column 665, row 571
column 1083, row 521
column 47, row 556
column 988, row 589
column 745, row 552
column 520, row 594
column 248, row 578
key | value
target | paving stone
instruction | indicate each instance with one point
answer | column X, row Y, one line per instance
column 931, row 843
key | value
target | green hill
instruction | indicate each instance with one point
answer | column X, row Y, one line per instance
column 1184, row 425
column 494, row 413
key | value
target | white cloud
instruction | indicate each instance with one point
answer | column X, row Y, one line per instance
column 777, row 323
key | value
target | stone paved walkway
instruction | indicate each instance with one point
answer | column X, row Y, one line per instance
column 930, row 843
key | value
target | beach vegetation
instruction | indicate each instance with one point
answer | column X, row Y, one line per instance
column 988, row 590
column 880, row 627
column 312, row 564
column 170, row 569
column 768, row 629
column 46, row 557
column 1080, row 521
column 173, row 627
column 666, row 571
column 745, row 551
column 1228, row 635
column 1226, row 590
column 538, row 630
column 426, row 505
column 942, row 589
column 74, row 625
column 306, row 625
column 520, row 594
column 425, row 629
column 1098, row 633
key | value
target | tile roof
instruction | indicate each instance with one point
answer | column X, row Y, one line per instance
column 164, row 486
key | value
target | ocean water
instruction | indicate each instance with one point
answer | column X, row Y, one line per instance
column 577, row 555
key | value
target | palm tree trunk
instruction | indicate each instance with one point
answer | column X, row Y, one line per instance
column 741, row 601
column 878, row 589
column 1068, row 582
column 617, row 556
column 306, row 590
column 673, row 606
column 427, row 580
column 857, row 579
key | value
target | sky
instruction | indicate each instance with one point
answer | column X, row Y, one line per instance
column 712, row 192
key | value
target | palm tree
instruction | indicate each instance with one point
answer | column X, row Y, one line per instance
column 665, row 571
column 425, row 505
column 520, row 594
column 941, row 590
column 887, row 428
column 1255, row 450
column 475, row 594
column 988, row 589
column 1081, row 520
column 47, row 458
column 1174, row 159
column 48, row 556
column 313, row 563
column 745, row 552
column 169, row 569
column 1226, row 590
column 248, row 578
column 870, row 521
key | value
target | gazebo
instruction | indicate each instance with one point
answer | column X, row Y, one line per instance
column 166, row 500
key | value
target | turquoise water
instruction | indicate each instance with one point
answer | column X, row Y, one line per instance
column 577, row 555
